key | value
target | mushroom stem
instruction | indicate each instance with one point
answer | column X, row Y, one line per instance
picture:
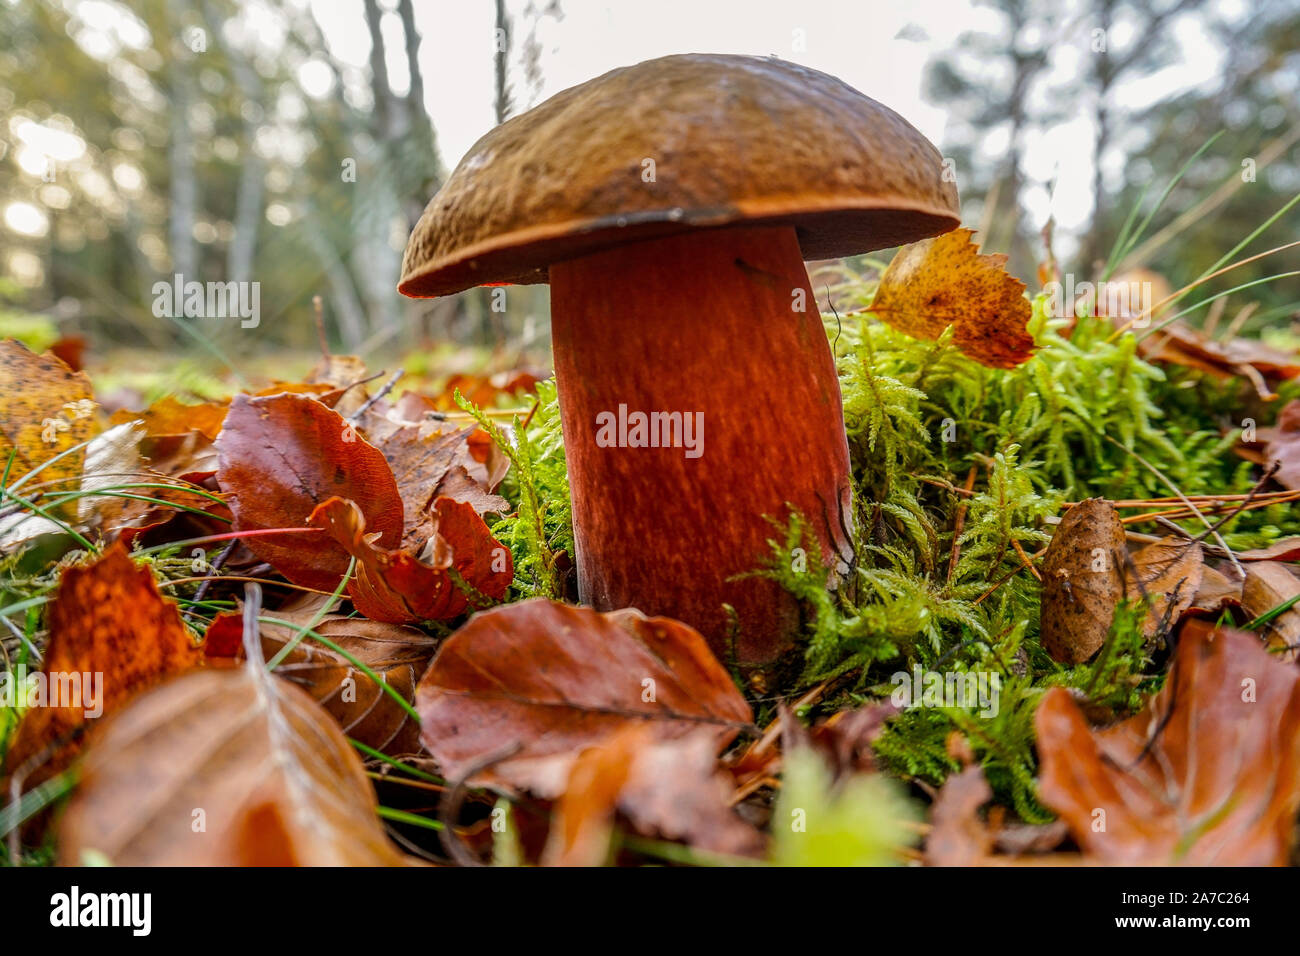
column 719, row 329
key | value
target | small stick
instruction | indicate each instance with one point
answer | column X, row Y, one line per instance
column 1241, row 572
column 318, row 307
column 959, row 522
column 388, row 387
column 214, row 568
column 1025, row 558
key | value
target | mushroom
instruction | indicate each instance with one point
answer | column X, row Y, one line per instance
column 671, row 206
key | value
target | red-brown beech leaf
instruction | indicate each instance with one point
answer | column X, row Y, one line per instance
column 1208, row 774
column 515, row 694
column 280, row 457
column 399, row 587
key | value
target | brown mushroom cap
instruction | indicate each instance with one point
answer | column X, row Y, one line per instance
column 733, row 138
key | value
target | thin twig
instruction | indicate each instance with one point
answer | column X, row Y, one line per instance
column 388, row 387
column 1241, row 572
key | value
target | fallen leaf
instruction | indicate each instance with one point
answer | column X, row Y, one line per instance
column 1282, row 445
column 109, row 628
column 1180, row 344
column 364, row 711
column 670, row 789
column 167, row 416
column 944, row 281
column 1267, row 585
column 45, row 409
column 275, row 781
column 69, row 350
column 583, row 822
column 958, row 836
column 429, row 461
column 846, row 738
column 346, row 373
column 280, row 457
column 1287, row 549
column 550, row 679
column 676, row 791
column 400, row 587
column 1207, row 774
column 1081, row 583
column 1168, row 574
column 484, row 391
column 1217, row 591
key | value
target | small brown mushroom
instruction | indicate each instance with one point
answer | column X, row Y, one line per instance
column 671, row 206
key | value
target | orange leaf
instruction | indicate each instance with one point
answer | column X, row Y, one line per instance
column 400, row 587
column 167, row 416
column 280, row 457
column 945, row 281
column 1207, row 774
column 111, row 635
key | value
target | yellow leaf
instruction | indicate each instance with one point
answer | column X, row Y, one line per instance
column 945, row 281
column 45, row 409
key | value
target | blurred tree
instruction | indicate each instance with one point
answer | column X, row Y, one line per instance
column 986, row 83
column 220, row 140
column 1150, row 45
column 1251, row 172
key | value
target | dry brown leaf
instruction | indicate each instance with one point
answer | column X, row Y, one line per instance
column 1282, row 445
column 109, row 629
column 945, row 281
column 1207, row 774
column 845, row 738
column 1180, row 344
column 671, row 789
column 45, row 409
column 1217, row 591
column 365, row 712
column 1168, row 574
column 1286, row 549
column 346, row 373
column 1081, row 581
column 676, row 791
column 548, row 679
column 584, row 816
column 430, row 459
column 958, row 836
column 252, row 758
column 1267, row 585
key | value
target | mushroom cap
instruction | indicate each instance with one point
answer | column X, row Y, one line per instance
column 733, row 139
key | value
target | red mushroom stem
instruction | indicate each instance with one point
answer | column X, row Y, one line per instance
column 719, row 322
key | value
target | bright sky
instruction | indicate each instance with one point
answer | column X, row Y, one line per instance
column 879, row 47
